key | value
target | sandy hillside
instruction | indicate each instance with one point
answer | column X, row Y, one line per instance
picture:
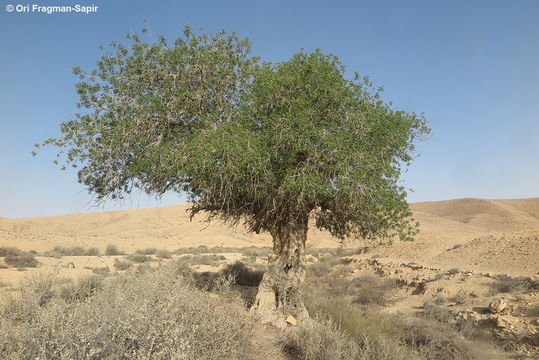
column 487, row 235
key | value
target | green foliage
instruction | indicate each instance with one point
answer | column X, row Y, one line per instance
column 262, row 143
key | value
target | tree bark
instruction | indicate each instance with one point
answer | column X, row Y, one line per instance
column 279, row 292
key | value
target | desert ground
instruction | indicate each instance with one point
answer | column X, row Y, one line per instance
column 475, row 261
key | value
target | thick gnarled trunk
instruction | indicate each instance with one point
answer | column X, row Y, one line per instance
column 279, row 294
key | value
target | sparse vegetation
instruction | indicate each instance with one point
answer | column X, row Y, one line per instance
column 122, row 265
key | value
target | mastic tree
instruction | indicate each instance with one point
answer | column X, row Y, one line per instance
column 274, row 146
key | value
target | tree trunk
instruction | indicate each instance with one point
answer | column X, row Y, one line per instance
column 279, row 293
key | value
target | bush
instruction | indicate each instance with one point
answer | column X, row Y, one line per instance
column 122, row 265
column 21, row 261
column 112, row 250
column 255, row 251
column 138, row 258
column 101, row 270
column 372, row 290
column 163, row 254
column 211, row 260
column 156, row 315
column 5, row 251
column 242, row 274
column 85, row 287
column 147, row 251
column 508, row 284
column 72, row 251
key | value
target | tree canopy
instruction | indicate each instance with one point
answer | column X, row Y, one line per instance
column 261, row 143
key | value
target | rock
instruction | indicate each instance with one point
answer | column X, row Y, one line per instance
column 506, row 322
column 497, row 306
column 291, row 320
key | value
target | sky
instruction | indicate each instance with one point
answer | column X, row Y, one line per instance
column 470, row 66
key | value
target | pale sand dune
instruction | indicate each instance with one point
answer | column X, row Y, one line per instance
column 482, row 227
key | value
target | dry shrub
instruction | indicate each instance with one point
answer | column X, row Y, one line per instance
column 85, row 287
column 147, row 251
column 256, row 251
column 242, row 274
column 104, row 271
column 507, row 284
column 138, row 258
column 58, row 251
column 324, row 266
column 5, row 251
column 344, row 331
column 203, row 249
column 157, row 315
column 372, row 290
column 21, row 261
column 320, row 341
column 435, row 341
column 163, row 254
column 122, row 265
column 211, row 260
column 112, row 250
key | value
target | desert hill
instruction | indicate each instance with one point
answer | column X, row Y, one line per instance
column 490, row 215
column 487, row 235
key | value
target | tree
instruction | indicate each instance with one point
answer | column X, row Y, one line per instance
column 267, row 145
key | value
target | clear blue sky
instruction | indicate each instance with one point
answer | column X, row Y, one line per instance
column 471, row 66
